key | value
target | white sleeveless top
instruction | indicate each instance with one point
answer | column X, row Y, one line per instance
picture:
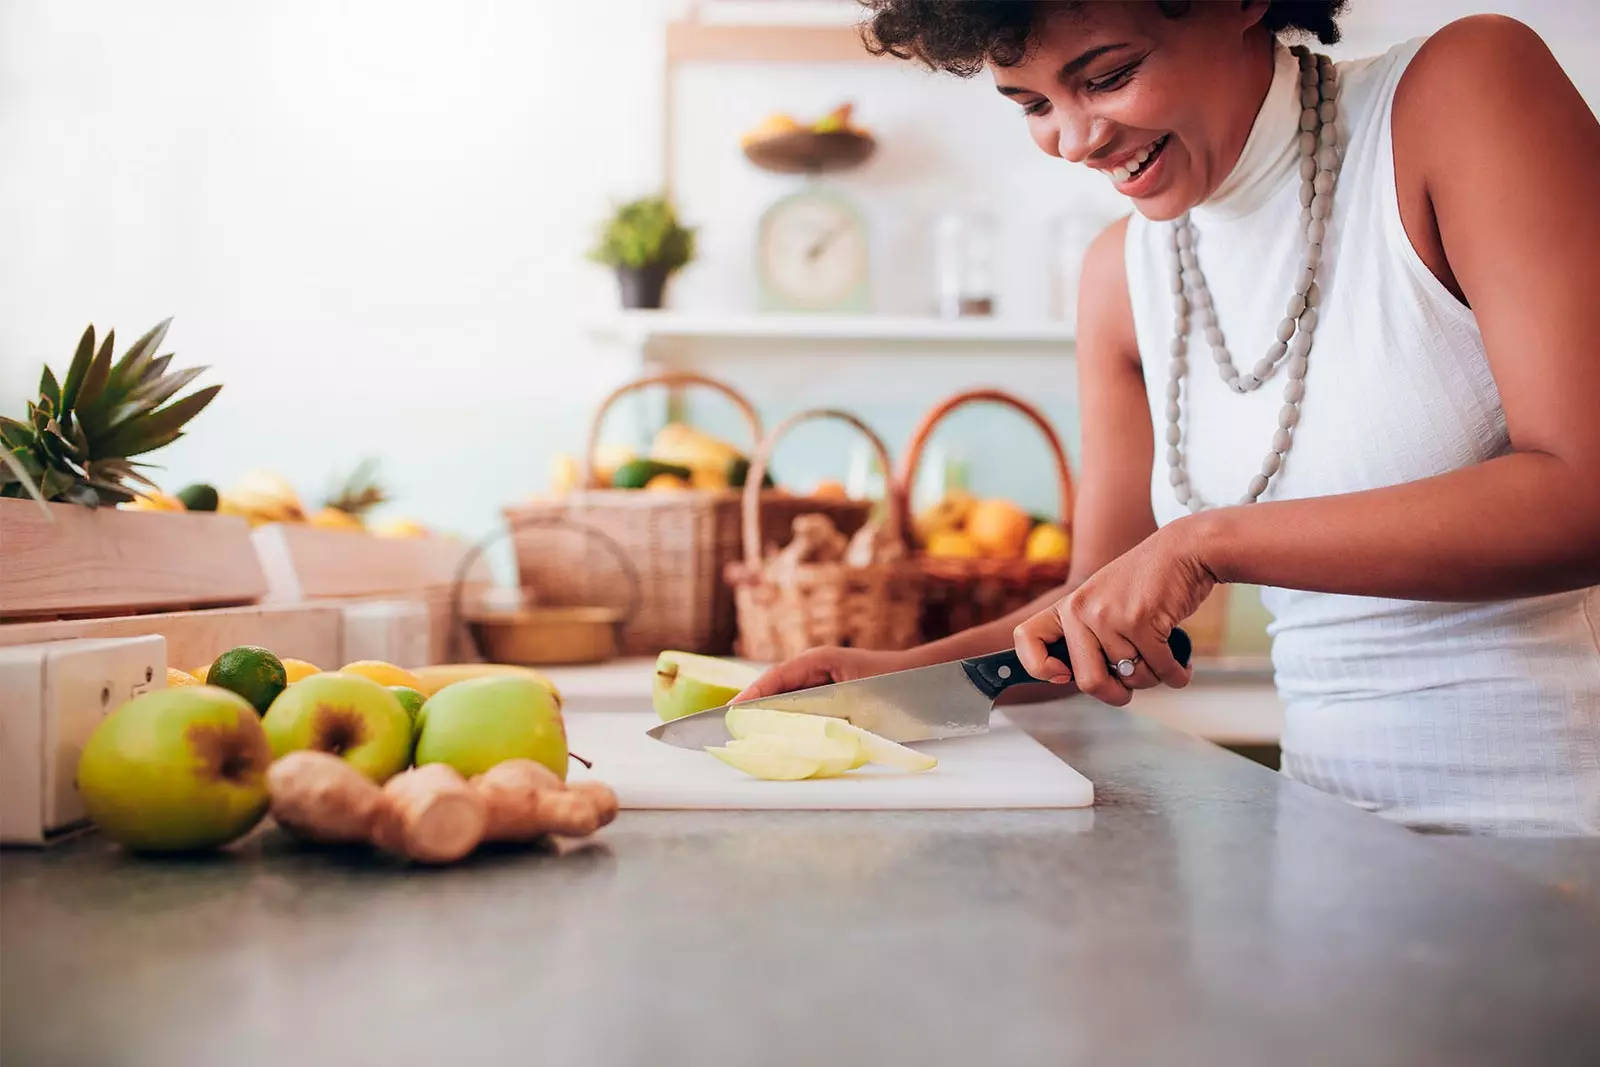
column 1481, row 717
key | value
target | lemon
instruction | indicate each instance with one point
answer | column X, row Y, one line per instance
column 297, row 669
column 252, row 672
column 200, row 672
column 176, row 679
column 383, row 673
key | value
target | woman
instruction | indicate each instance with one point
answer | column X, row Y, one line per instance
column 1347, row 348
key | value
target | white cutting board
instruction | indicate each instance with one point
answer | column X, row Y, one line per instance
column 1005, row 768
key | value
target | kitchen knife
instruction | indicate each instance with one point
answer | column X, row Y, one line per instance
column 921, row 704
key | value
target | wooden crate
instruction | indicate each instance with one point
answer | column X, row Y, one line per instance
column 312, row 632
column 313, row 563
column 80, row 561
column 310, row 563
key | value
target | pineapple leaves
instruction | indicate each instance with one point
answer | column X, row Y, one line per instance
column 15, row 434
column 131, row 367
column 79, row 368
column 50, row 388
column 140, row 435
column 21, row 480
column 158, row 391
column 80, row 432
column 94, row 382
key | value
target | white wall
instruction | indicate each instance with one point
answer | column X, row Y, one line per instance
column 369, row 217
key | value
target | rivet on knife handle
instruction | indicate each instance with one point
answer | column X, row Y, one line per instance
column 999, row 671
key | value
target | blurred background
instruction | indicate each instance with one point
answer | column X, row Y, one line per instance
column 372, row 220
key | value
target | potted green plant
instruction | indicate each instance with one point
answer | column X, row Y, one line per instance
column 645, row 244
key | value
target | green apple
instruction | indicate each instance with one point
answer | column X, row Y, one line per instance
column 176, row 770
column 349, row 715
column 686, row 683
column 476, row 724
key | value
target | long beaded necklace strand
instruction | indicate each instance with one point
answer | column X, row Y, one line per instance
column 1319, row 165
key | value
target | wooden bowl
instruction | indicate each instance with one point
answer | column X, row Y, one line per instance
column 533, row 637
column 810, row 152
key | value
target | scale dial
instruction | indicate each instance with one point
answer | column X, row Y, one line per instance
column 811, row 254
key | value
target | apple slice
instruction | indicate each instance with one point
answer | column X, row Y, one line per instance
column 836, row 754
column 753, row 722
column 771, row 763
column 877, row 749
column 745, row 721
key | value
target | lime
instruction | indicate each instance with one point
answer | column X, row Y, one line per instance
column 252, row 672
column 410, row 699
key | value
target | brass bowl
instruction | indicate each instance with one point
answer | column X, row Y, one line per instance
column 533, row 637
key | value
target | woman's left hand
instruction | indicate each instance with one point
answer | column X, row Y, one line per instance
column 1125, row 610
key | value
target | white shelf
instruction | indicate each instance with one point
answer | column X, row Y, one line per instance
column 642, row 327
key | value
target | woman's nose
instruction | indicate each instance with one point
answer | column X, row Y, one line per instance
column 1079, row 137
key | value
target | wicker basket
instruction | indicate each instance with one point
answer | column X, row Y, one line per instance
column 962, row 593
column 679, row 542
column 821, row 603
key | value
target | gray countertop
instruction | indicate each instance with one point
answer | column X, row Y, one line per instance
column 1206, row 911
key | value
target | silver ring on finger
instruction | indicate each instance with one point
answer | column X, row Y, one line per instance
column 1126, row 667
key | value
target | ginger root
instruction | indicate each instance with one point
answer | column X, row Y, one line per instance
column 319, row 797
column 512, row 790
column 431, row 814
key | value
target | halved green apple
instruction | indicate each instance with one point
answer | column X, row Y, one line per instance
column 686, row 683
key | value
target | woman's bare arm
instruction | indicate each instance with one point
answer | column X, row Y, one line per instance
column 1498, row 170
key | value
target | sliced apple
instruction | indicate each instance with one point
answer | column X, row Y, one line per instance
column 882, row 750
column 769, row 762
column 745, row 721
column 753, row 722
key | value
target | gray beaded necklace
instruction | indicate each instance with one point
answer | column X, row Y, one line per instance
column 1319, row 164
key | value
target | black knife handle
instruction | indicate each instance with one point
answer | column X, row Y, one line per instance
column 995, row 673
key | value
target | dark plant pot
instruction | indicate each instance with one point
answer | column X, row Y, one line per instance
column 642, row 287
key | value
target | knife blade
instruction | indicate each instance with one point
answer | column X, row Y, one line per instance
column 920, row 704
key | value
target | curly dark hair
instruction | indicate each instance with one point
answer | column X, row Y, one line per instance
column 961, row 36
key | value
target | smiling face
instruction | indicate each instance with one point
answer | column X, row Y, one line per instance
column 1161, row 105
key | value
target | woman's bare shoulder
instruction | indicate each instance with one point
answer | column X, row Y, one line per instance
column 1105, row 312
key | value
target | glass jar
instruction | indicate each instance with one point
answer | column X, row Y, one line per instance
column 964, row 256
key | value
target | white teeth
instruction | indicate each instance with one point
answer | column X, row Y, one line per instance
column 1136, row 164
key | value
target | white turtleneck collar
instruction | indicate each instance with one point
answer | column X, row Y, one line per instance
column 1269, row 155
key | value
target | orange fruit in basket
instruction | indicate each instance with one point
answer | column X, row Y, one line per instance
column 999, row 528
column 951, row 544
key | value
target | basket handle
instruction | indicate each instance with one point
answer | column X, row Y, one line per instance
column 629, row 571
column 669, row 379
column 930, row 421
column 751, row 516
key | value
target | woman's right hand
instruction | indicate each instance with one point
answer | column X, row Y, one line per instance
column 824, row 666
